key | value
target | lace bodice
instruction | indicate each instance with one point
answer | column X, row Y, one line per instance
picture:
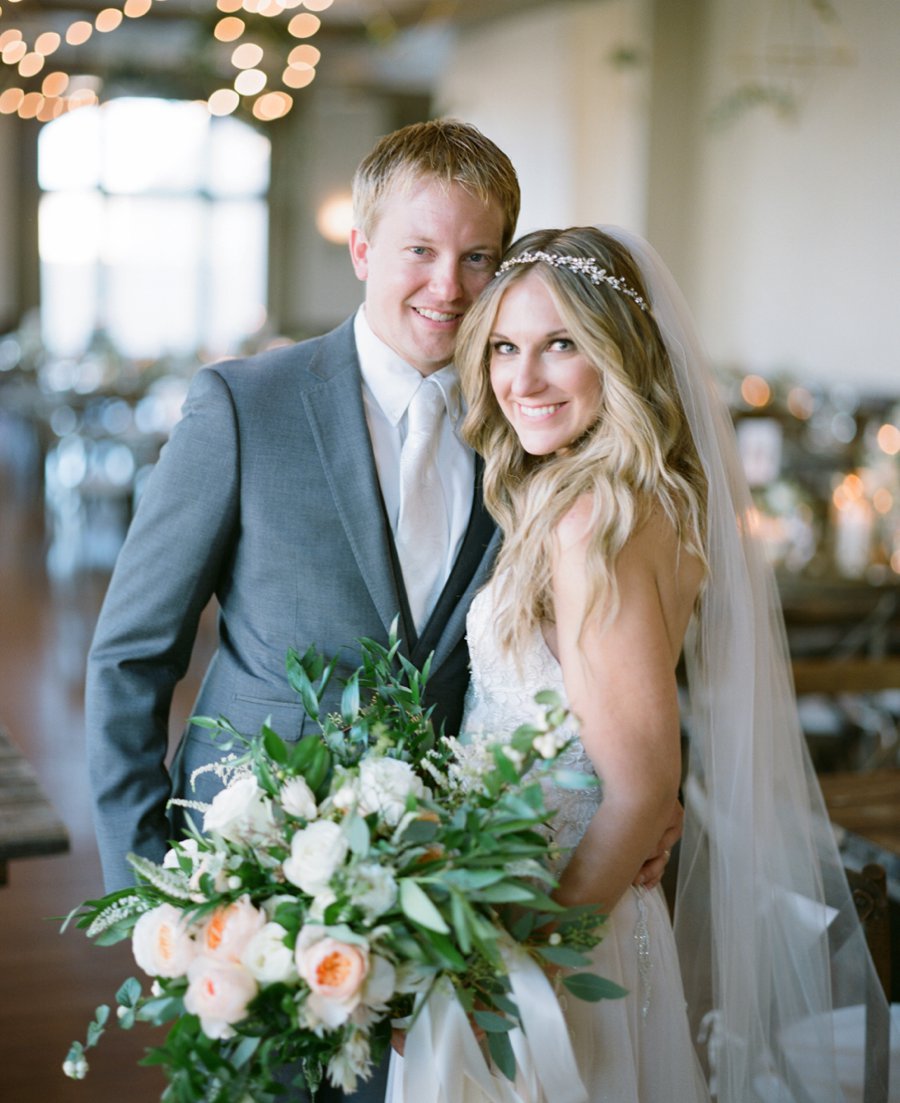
column 501, row 697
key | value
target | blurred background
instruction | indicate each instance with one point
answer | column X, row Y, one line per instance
column 174, row 188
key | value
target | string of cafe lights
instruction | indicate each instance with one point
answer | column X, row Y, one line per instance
column 257, row 67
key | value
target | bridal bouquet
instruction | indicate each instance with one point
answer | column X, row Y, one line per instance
column 338, row 883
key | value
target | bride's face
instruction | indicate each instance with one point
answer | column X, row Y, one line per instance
column 548, row 390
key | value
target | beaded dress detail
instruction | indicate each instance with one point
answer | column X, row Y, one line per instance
column 632, row 1050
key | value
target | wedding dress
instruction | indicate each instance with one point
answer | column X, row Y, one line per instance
column 631, row 1050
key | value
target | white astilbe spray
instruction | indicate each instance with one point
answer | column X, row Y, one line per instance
column 116, row 912
column 172, row 882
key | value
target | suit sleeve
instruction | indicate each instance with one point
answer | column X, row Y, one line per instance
column 174, row 559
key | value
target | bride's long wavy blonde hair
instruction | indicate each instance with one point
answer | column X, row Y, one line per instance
column 638, row 456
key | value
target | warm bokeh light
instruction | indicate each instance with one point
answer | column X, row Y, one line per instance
column 888, row 438
column 12, row 35
column 304, row 55
column 270, row 10
column 247, row 56
column 229, row 28
column 334, row 218
column 30, row 105
column 134, row 9
column 79, row 32
column 250, row 82
column 317, row 5
column 298, row 76
column 46, row 43
column 895, row 562
column 14, row 52
column 223, row 101
column 108, row 20
column 755, row 391
column 54, row 84
column 51, row 109
column 252, row 6
column 304, row 25
column 31, row 65
column 229, row 5
column 10, row 100
column 273, row 105
column 883, row 500
column 800, row 403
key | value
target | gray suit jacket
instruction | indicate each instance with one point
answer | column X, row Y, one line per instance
column 267, row 497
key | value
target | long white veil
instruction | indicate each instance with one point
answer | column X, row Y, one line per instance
column 760, row 880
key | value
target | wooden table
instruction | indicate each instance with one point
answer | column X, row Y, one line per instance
column 865, row 807
column 29, row 827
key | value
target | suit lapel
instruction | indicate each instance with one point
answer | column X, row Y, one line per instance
column 334, row 404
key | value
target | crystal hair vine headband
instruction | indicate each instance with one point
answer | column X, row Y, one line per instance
column 584, row 266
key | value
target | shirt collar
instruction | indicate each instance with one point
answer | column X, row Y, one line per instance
column 392, row 382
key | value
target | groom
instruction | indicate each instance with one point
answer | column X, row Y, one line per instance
column 280, row 493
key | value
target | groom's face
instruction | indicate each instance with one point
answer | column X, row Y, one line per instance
column 430, row 252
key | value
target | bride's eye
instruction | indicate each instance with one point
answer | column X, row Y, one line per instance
column 563, row 344
column 503, row 348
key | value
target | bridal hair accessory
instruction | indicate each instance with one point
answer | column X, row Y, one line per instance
column 584, row 266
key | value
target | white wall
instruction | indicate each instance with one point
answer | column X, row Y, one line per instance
column 543, row 86
column 798, row 222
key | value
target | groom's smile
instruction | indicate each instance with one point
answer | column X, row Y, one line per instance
column 431, row 251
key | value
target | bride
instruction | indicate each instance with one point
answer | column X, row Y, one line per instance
column 612, row 474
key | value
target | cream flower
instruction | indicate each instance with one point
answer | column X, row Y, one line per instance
column 267, row 957
column 384, row 786
column 228, row 930
column 316, row 853
column 241, row 813
column 218, row 993
column 374, row 889
column 162, row 942
column 297, row 799
column 335, row 972
column 351, row 1063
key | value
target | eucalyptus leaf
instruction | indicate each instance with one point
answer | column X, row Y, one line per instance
column 502, row 1054
column 563, row 955
column 492, row 1023
column 590, row 987
column 418, row 907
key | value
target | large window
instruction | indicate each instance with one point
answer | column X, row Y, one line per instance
column 153, row 229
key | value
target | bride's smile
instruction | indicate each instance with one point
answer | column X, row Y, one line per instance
column 546, row 387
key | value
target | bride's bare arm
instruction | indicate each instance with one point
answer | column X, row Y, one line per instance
column 620, row 681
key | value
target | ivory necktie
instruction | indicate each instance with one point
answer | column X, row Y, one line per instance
column 422, row 530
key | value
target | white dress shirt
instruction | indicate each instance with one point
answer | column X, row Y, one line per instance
column 388, row 385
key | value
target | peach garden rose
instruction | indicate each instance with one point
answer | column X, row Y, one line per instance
column 162, row 942
column 335, row 972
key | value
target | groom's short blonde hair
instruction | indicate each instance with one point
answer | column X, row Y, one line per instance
column 447, row 150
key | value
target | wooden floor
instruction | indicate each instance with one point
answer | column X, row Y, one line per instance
column 51, row 983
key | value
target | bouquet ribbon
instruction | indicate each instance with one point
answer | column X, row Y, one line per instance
column 443, row 1061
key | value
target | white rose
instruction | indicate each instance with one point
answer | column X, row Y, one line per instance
column 316, row 852
column 241, row 813
column 228, row 930
column 218, row 992
column 162, row 942
column 297, row 799
column 384, row 785
column 267, row 957
column 190, row 847
column 374, row 889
